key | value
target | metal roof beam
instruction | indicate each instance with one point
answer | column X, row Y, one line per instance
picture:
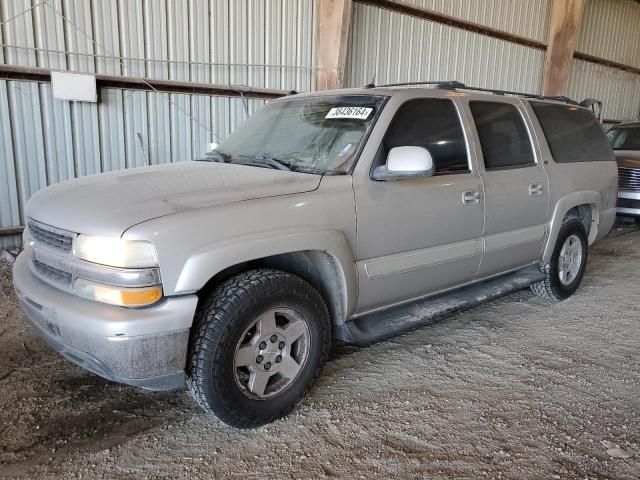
column 33, row 74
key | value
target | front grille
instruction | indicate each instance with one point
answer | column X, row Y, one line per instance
column 629, row 179
column 52, row 274
column 50, row 236
column 628, row 203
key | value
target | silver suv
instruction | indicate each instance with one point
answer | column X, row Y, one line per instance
column 352, row 215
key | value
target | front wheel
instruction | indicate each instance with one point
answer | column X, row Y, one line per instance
column 259, row 342
column 564, row 272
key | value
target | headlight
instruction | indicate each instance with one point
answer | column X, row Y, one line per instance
column 115, row 252
column 123, row 297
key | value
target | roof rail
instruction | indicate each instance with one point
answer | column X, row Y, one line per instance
column 558, row 98
column 446, row 84
column 453, row 85
column 590, row 103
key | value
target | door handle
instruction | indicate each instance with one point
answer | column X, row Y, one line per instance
column 471, row 197
column 536, row 189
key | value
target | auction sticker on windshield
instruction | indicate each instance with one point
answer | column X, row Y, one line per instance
column 360, row 113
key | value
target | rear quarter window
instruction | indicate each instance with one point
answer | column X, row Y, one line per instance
column 573, row 133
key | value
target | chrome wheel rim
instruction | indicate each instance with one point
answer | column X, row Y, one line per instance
column 570, row 259
column 271, row 353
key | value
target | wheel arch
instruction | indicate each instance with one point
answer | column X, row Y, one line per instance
column 585, row 206
column 322, row 259
column 319, row 268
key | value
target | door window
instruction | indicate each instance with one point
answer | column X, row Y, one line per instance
column 431, row 123
column 503, row 135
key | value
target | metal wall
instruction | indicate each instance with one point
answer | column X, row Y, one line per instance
column 620, row 91
column 526, row 18
column 262, row 43
column 394, row 47
column 267, row 43
column 611, row 30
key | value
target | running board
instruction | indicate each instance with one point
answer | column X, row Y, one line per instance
column 381, row 325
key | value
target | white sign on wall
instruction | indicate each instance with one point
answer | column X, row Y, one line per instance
column 77, row 87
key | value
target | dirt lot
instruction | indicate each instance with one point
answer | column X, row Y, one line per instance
column 518, row 388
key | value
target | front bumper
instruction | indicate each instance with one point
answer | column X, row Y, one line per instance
column 628, row 203
column 144, row 347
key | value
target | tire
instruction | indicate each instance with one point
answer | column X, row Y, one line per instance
column 553, row 287
column 231, row 328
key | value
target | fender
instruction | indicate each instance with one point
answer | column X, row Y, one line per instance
column 563, row 205
column 206, row 262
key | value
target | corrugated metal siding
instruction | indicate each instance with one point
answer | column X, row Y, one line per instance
column 526, row 18
column 38, row 148
column 610, row 29
column 620, row 91
column 424, row 50
column 263, row 43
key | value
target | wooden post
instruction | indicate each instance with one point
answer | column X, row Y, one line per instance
column 332, row 36
column 566, row 16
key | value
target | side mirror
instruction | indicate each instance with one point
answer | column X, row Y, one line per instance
column 405, row 162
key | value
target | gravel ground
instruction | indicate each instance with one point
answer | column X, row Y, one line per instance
column 518, row 388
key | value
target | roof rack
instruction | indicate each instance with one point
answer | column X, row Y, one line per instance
column 445, row 85
column 454, row 85
column 590, row 103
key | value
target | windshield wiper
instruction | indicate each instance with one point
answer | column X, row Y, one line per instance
column 263, row 159
column 215, row 156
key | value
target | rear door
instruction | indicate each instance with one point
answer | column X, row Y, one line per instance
column 515, row 184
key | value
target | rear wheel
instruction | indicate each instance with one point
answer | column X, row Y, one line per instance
column 259, row 342
column 563, row 274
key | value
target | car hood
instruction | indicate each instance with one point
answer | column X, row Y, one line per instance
column 110, row 203
column 628, row 158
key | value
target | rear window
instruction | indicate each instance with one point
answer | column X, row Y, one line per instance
column 503, row 136
column 573, row 133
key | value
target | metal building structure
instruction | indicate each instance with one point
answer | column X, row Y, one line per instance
column 236, row 42
column 268, row 44
column 609, row 30
column 422, row 49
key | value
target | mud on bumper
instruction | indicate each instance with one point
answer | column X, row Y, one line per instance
column 115, row 343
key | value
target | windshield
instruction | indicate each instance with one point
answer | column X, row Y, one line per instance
column 625, row 138
column 311, row 135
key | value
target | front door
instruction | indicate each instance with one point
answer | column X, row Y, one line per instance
column 515, row 185
column 419, row 236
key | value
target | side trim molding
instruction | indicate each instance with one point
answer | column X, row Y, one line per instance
column 417, row 259
column 500, row 241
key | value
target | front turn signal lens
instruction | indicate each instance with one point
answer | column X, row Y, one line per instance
column 123, row 297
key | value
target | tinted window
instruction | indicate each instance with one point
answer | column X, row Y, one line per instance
column 503, row 135
column 573, row 133
column 625, row 138
column 433, row 124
